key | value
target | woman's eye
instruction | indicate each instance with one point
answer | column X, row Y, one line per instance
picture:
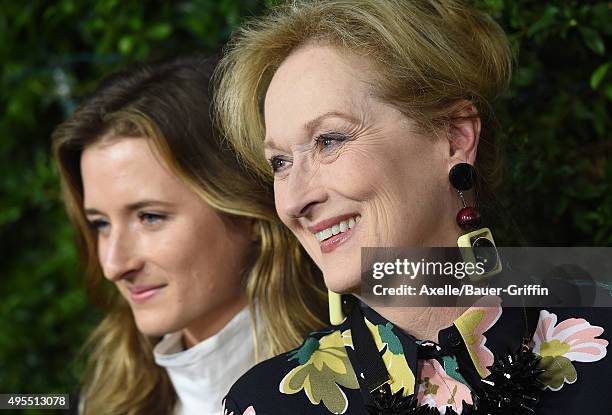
column 151, row 218
column 329, row 140
column 98, row 225
column 278, row 163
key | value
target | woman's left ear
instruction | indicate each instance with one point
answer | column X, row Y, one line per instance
column 254, row 230
column 463, row 133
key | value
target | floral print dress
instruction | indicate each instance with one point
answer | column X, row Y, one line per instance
column 323, row 375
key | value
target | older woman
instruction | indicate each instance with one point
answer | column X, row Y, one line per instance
column 181, row 245
column 372, row 116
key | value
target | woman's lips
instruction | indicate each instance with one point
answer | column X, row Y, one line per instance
column 327, row 223
column 140, row 294
column 342, row 226
column 333, row 242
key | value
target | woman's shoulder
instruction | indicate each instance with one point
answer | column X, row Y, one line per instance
column 261, row 380
column 285, row 380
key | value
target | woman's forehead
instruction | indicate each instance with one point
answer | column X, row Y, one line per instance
column 313, row 81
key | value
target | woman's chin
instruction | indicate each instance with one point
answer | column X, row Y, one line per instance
column 342, row 283
column 154, row 326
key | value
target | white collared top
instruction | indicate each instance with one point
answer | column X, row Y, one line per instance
column 204, row 373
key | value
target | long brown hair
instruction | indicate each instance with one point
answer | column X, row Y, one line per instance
column 168, row 103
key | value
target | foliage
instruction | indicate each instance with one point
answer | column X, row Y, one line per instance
column 555, row 117
column 52, row 54
column 556, row 122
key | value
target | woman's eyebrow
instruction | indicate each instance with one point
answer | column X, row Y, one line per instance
column 313, row 124
column 270, row 145
column 148, row 203
column 141, row 204
column 91, row 211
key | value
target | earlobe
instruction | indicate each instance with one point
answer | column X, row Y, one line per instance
column 254, row 230
column 464, row 133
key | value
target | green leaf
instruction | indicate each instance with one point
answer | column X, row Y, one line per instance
column 593, row 40
column 10, row 214
column 387, row 336
column 543, row 22
column 160, row 31
column 68, row 7
column 126, row 43
column 598, row 75
column 558, row 370
column 608, row 92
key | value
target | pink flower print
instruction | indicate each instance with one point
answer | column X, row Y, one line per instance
column 572, row 340
column 249, row 411
column 439, row 390
column 473, row 324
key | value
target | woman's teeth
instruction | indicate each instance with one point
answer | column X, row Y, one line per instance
column 341, row 227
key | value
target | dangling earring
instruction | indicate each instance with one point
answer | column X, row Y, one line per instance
column 335, row 308
column 477, row 244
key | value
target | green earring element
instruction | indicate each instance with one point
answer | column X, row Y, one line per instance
column 335, row 308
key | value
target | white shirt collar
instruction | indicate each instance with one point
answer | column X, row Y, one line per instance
column 203, row 374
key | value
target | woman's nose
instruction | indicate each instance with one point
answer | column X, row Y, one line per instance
column 305, row 189
column 119, row 255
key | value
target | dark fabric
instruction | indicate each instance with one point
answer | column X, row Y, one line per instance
column 259, row 390
column 374, row 371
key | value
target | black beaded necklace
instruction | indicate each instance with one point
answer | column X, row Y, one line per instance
column 512, row 388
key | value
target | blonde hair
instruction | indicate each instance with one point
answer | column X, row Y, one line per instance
column 429, row 56
column 167, row 103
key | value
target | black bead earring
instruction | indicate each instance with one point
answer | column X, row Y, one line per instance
column 462, row 177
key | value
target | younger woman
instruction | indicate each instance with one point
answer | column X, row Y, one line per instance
column 189, row 240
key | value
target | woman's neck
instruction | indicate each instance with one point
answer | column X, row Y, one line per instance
column 213, row 322
column 424, row 323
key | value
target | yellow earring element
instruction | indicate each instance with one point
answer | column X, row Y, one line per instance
column 335, row 308
column 479, row 246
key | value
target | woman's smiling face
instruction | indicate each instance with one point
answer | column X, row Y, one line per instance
column 176, row 261
column 350, row 170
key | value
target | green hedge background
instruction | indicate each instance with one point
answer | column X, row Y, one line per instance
column 556, row 131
